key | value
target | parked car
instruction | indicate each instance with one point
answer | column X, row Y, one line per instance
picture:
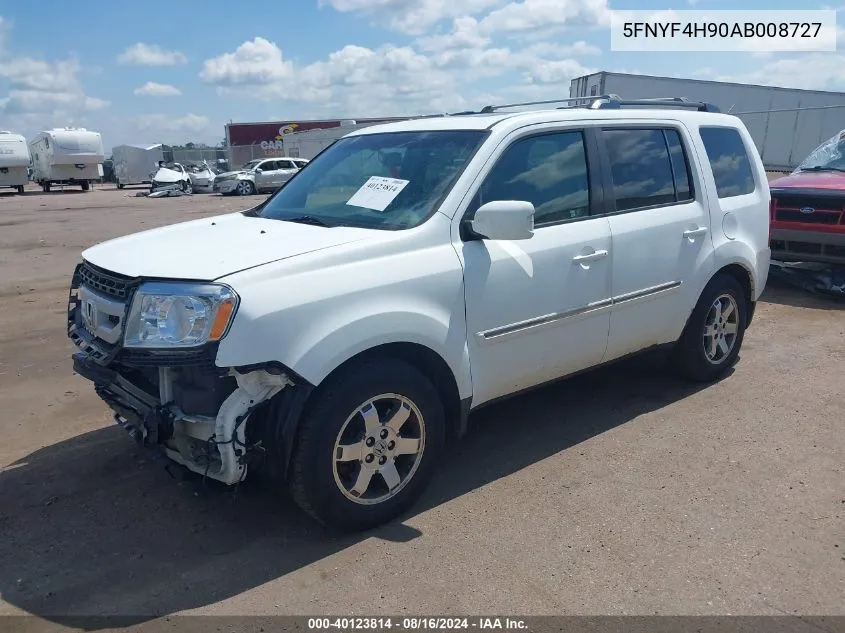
column 202, row 176
column 171, row 176
column 340, row 331
column 257, row 176
column 808, row 208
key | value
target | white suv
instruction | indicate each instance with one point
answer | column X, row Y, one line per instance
column 339, row 332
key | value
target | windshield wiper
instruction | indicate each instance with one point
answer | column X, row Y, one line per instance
column 822, row 168
column 308, row 219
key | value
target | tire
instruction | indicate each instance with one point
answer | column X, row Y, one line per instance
column 120, row 186
column 245, row 188
column 708, row 348
column 20, row 189
column 45, row 187
column 187, row 187
column 86, row 185
column 324, row 486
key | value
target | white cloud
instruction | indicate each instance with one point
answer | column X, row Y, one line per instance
column 254, row 63
column 153, row 89
column 388, row 80
column 464, row 34
column 559, row 72
column 141, row 54
column 813, row 71
column 413, row 17
column 35, row 74
column 41, row 90
column 545, row 15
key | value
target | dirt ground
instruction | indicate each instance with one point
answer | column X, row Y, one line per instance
column 622, row 491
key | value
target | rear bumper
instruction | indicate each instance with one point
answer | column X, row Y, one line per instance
column 807, row 246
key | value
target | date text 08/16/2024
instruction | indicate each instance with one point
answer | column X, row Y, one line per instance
column 414, row 624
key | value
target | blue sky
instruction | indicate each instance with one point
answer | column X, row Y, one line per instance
column 178, row 70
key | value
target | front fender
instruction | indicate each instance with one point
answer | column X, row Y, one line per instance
column 326, row 342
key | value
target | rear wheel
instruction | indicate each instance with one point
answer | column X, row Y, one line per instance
column 369, row 445
column 714, row 333
column 86, row 185
column 20, row 189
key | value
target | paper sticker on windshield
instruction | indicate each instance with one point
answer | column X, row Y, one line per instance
column 377, row 193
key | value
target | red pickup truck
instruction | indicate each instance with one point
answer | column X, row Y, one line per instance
column 808, row 208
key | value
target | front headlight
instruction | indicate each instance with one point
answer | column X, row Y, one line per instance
column 168, row 315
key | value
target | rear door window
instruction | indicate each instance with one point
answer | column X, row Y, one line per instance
column 728, row 160
column 640, row 167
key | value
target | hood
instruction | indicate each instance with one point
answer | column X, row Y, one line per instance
column 168, row 175
column 210, row 248
column 811, row 180
column 237, row 172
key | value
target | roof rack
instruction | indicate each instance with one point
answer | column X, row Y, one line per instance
column 602, row 102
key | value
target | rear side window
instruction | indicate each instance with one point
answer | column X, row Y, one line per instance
column 728, row 160
column 641, row 168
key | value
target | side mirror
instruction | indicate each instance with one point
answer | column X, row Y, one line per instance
column 504, row 220
column 258, row 170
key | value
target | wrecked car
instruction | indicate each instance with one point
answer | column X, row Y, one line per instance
column 258, row 176
column 808, row 208
column 171, row 176
column 202, row 177
column 336, row 334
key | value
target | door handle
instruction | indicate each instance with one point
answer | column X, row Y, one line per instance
column 696, row 232
column 581, row 259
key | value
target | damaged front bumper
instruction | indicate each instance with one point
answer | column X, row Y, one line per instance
column 177, row 400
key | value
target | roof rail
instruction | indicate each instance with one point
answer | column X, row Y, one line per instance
column 600, row 102
column 614, row 101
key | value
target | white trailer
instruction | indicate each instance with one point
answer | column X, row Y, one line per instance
column 67, row 156
column 785, row 123
column 136, row 164
column 14, row 160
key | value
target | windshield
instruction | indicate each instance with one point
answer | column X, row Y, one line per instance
column 382, row 181
column 251, row 165
column 829, row 155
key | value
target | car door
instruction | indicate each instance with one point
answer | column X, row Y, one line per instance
column 539, row 309
column 660, row 227
column 264, row 178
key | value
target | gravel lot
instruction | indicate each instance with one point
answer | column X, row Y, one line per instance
column 621, row 491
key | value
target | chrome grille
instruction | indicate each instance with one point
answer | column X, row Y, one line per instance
column 111, row 284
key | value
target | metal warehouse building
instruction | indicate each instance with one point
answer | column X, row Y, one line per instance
column 786, row 123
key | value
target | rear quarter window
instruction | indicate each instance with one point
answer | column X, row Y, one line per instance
column 729, row 161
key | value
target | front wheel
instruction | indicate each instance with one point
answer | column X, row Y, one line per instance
column 369, row 445
column 245, row 188
column 713, row 336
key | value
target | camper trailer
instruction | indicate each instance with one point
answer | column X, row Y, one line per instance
column 14, row 160
column 136, row 164
column 67, row 156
